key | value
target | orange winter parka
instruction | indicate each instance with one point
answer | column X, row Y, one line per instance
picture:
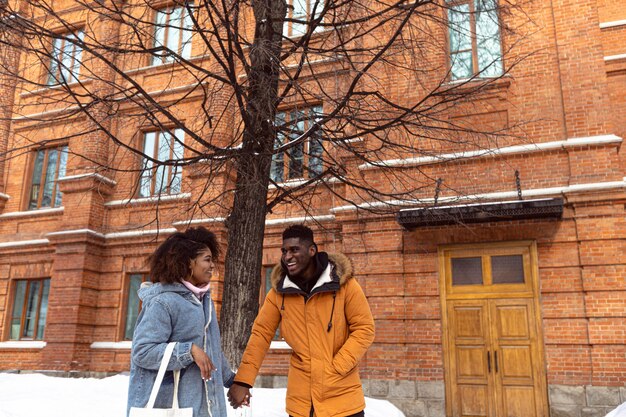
column 328, row 330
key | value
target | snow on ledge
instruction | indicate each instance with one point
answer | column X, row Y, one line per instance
column 614, row 57
column 537, row 192
column 508, row 150
column 144, row 200
column 24, row 243
column 615, row 23
column 99, row 177
column 300, row 220
column 112, row 345
column 199, row 221
column 27, row 213
column 135, row 233
column 23, row 344
column 279, row 344
column 76, row 232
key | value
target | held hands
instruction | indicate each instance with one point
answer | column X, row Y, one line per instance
column 239, row 395
column 203, row 362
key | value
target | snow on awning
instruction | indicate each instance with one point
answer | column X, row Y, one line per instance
column 481, row 212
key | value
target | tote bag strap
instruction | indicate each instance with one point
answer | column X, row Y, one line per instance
column 159, row 378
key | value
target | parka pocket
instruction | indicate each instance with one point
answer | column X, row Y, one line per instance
column 336, row 385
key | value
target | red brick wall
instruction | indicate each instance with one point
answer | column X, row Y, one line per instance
column 566, row 88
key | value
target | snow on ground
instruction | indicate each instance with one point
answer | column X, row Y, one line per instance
column 618, row 412
column 36, row 395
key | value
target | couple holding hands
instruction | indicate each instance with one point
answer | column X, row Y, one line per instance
column 322, row 310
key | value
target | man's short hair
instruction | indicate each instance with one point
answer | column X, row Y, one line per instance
column 298, row 231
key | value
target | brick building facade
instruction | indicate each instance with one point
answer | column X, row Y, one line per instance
column 489, row 305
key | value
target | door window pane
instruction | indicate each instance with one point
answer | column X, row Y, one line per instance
column 507, row 269
column 467, row 271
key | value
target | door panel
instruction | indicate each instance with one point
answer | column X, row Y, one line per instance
column 513, row 337
column 473, row 400
column 518, row 402
column 470, row 334
column 513, row 363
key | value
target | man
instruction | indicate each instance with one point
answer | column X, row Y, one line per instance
column 326, row 321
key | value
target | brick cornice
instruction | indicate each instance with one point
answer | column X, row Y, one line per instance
column 86, row 182
column 76, row 235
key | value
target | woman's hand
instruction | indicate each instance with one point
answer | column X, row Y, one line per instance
column 203, row 362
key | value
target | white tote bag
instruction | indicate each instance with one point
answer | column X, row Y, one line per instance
column 149, row 410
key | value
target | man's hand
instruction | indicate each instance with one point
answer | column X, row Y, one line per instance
column 239, row 395
column 203, row 361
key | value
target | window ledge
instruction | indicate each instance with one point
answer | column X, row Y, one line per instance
column 279, row 345
column 489, row 82
column 126, row 344
column 54, row 87
column 165, row 66
column 298, row 182
column 33, row 213
column 148, row 200
column 23, row 344
column 316, row 33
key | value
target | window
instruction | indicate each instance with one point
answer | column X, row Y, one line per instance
column 172, row 30
column 164, row 178
column 48, row 167
column 474, row 32
column 302, row 160
column 30, row 307
column 133, row 304
column 504, row 267
column 266, row 286
column 299, row 13
column 65, row 58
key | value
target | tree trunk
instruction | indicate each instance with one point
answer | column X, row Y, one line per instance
column 246, row 223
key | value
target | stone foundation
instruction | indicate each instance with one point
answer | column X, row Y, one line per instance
column 584, row 401
column 427, row 399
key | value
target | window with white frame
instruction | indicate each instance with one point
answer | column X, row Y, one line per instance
column 173, row 28
column 30, row 308
column 300, row 13
column 474, row 39
column 303, row 159
column 160, row 173
column 65, row 58
column 49, row 165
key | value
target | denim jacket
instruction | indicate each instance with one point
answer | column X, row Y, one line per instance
column 171, row 313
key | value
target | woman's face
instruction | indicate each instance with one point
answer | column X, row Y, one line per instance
column 202, row 268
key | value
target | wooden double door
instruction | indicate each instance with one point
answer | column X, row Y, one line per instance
column 493, row 346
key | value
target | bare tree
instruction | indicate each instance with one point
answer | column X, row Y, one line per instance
column 292, row 100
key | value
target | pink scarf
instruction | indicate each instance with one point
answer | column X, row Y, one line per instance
column 197, row 291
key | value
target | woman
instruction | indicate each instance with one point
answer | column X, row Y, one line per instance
column 177, row 307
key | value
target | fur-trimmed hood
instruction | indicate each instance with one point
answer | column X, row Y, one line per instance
column 341, row 264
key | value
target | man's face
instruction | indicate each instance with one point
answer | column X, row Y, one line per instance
column 298, row 257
